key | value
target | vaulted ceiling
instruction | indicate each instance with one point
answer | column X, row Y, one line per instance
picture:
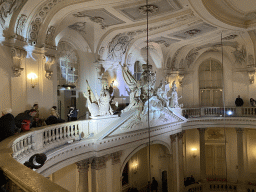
column 175, row 26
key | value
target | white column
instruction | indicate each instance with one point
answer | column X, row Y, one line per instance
column 117, row 175
column 240, row 155
column 180, row 161
column 99, row 174
column 202, row 158
column 202, row 155
column 175, row 165
column 82, row 167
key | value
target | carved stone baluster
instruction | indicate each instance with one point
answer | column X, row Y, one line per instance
column 18, row 149
column 48, row 137
column 62, row 133
column 21, row 147
column 58, row 134
column 29, row 143
column 67, row 131
column 53, row 135
column 73, row 131
column 26, row 145
column 77, row 131
column 14, row 149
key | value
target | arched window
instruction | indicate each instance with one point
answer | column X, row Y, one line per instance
column 68, row 64
column 210, row 83
column 137, row 70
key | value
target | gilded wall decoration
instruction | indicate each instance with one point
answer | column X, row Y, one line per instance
column 7, row 7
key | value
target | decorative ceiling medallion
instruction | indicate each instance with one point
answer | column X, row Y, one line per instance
column 150, row 9
column 192, row 32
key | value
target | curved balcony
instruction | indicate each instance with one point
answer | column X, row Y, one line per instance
column 74, row 141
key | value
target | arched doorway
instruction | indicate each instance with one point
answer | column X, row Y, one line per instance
column 136, row 173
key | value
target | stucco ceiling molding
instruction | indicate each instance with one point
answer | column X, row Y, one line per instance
column 100, row 16
column 211, row 13
column 135, row 11
column 39, row 18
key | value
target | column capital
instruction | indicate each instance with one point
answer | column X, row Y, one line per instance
column 83, row 165
column 173, row 138
column 201, row 130
column 180, row 134
column 116, row 157
column 99, row 162
column 239, row 130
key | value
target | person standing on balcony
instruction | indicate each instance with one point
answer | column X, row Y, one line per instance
column 239, row 101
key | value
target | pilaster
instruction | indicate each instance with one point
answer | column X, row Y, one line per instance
column 99, row 174
column 82, row 167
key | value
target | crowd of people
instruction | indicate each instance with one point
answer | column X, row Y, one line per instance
column 10, row 125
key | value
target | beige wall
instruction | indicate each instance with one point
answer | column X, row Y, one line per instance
column 66, row 177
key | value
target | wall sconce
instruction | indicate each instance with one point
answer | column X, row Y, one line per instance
column 194, row 152
column 48, row 74
column 32, row 77
column 135, row 167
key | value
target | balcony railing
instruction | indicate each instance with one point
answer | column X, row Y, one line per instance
column 17, row 149
column 219, row 111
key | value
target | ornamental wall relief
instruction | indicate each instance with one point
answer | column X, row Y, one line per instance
column 7, row 7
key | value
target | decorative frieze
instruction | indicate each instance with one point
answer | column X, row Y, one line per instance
column 7, row 8
column 49, row 40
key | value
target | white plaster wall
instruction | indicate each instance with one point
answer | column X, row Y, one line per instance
column 192, row 163
column 66, row 177
column 251, row 138
column 231, row 154
column 87, row 71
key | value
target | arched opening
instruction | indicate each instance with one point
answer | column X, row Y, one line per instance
column 67, row 77
column 210, row 83
column 136, row 174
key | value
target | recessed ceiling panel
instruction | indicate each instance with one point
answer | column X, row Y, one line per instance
column 137, row 11
column 193, row 31
column 100, row 16
column 164, row 40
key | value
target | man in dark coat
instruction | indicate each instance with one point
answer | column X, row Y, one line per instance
column 26, row 115
column 7, row 124
column 72, row 116
column 239, row 101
